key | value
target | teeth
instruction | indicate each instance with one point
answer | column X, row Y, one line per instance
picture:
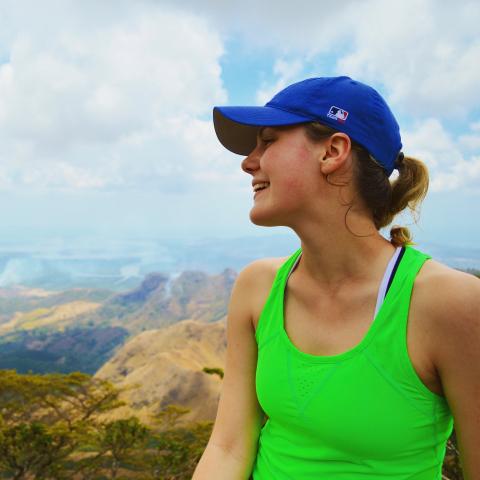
column 258, row 186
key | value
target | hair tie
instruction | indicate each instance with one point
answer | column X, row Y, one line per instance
column 399, row 160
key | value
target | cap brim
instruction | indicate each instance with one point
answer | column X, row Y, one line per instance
column 237, row 127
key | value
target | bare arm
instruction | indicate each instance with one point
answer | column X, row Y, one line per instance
column 457, row 339
column 219, row 464
column 231, row 451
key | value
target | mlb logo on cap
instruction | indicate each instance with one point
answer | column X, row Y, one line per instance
column 337, row 114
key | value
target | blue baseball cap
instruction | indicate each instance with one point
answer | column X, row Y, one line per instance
column 341, row 103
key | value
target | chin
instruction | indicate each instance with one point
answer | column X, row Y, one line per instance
column 264, row 220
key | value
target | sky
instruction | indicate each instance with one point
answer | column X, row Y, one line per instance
column 105, row 107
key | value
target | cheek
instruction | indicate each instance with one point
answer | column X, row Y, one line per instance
column 301, row 172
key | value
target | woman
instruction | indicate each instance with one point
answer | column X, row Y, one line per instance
column 323, row 379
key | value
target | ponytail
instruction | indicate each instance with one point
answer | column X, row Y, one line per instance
column 408, row 191
column 387, row 198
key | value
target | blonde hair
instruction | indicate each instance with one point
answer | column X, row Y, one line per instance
column 384, row 198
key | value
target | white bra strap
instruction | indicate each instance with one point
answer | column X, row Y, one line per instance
column 294, row 265
column 386, row 278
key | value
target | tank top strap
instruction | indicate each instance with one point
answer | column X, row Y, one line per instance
column 400, row 289
column 389, row 350
column 269, row 324
column 392, row 316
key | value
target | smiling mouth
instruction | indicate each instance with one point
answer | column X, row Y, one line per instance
column 259, row 190
column 260, row 186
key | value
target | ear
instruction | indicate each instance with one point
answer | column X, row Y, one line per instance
column 336, row 153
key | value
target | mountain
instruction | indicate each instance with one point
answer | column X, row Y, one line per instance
column 80, row 329
column 162, row 367
column 160, row 301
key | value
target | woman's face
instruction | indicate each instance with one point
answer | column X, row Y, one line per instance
column 288, row 160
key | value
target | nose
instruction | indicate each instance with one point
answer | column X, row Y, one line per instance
column 251, row 163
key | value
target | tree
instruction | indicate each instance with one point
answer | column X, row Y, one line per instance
column 32, row 449
column 167, row 417
column 120, row 439
column 177, row 451
column 45, row 418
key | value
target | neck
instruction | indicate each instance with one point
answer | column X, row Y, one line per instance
column 334, row 257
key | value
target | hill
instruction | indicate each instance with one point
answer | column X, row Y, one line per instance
column 20, row 299
column 165, row 366
column 74, row 349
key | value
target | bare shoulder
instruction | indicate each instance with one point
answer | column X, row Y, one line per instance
column 449, row 300
column 257, row 279
column 446, row 290
column 261, row 271
column 269, row 264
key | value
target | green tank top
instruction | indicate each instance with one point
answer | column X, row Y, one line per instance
column 361, row 414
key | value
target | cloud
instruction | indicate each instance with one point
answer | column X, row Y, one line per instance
column 449, row 168
column 286, row 72
column 83, row 93
column 471, row 140
column 281, row 25
column 423, row 52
